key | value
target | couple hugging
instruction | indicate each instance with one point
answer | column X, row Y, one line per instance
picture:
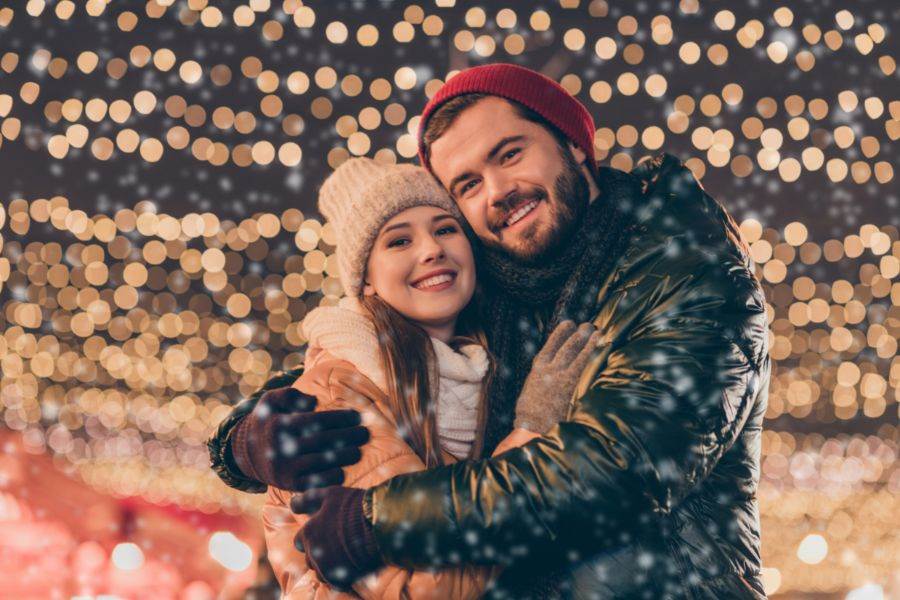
column 547, row 378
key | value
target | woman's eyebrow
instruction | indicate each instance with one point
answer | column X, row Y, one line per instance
column 405, row 224
column 395, row 226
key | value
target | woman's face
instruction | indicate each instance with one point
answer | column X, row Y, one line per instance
column 422, row 266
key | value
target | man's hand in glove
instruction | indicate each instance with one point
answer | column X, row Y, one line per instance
column 283, row 443
column 545, row 396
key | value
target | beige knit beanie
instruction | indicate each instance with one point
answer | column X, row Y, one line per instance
column 361, row 196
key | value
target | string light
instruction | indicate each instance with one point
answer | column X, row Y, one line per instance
column 128, row 333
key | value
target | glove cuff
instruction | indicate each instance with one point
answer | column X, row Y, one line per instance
column 239, row 446
column 360, row 543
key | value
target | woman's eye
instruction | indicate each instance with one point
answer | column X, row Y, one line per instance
column 396, row 243
column 448, row 229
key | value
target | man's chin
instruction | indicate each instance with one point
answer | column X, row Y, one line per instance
column 527, row 248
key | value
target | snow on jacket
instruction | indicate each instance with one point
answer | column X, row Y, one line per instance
column 341, row 372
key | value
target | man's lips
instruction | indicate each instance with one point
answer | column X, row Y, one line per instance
column 504, row 223
column 522, row 213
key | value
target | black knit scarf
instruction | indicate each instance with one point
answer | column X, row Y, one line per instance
column 524, row 303
column 520, row 297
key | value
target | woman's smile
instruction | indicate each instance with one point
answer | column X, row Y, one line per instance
column 423, row 249
column 436, row 281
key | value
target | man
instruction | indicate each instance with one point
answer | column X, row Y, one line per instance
column 647, row 489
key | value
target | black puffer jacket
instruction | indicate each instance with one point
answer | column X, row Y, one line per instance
column 649, row 489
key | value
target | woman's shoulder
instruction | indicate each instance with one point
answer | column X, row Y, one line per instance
column 342, row 386
column 333, row 379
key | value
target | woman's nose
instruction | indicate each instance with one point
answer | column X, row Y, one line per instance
column 431, row 250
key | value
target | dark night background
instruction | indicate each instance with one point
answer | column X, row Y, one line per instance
column 120, row 350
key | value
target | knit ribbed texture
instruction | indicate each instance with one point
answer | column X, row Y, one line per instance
column 566, row 287
column 242, row 449
column 360, row 545
column 521, row 296
column 461, row 377
column 538, row 92
column 346, row 332
column 361, row 196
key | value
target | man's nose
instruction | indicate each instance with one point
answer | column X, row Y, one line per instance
column 499, row 188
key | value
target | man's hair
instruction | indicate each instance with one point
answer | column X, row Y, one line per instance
column 442, row 118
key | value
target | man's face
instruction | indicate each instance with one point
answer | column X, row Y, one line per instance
column 520, row 192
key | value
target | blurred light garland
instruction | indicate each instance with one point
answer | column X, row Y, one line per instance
column 127, row 334
column 123, row 370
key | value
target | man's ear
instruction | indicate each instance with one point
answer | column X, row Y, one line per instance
column 578, row 153
column 581, row 158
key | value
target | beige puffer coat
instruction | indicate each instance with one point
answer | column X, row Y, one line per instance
column 337, row 384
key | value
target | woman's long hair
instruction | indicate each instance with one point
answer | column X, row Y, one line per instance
column 411, row 372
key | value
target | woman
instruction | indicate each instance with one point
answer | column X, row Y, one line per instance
column 405, row 348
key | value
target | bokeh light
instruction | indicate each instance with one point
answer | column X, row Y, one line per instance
column 159, row 244
column 127, row 557
column 230, row 552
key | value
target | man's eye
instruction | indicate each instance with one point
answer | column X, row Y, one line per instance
column 510, row 154
column 468, row 186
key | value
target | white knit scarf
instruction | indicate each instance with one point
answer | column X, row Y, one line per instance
column 346, row 331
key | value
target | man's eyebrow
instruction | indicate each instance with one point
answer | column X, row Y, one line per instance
column 405, row 224
column 490, row 156
column 499, row 145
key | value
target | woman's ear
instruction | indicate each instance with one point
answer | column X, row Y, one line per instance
column 368, row 289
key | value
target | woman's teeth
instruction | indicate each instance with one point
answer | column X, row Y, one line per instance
column 433, row 281
column 517, row 216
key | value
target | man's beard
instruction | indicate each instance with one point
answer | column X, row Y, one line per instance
column 570, row 199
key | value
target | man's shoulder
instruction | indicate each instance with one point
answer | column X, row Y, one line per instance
column 674, row 199
column 679, row 228
column 672, row 204
column 650, row 170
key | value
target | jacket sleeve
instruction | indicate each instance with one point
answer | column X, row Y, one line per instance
column 218, row 444
column 383, row 456
column 665, row 397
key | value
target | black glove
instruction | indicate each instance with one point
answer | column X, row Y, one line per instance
column 338, row 539
column 282, row 443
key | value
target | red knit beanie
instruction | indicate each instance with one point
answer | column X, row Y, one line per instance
column 539, row 93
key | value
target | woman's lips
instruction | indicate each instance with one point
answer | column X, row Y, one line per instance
column 436, row 283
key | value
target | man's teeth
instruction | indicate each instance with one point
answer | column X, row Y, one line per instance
column 436, row 280
column 516, row 216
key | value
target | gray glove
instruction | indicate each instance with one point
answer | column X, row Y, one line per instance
column 544, row 400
